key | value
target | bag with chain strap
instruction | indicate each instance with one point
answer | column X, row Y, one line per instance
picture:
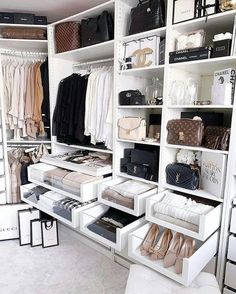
column 132, row 128
column 67, row 36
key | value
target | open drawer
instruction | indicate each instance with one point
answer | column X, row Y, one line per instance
column 72, row 222
column 230, row 275
column 232, row 248
column 191, row 266
column 208, row 223
column 228, row 291
column 136, row 207
column 86, row 192
column 92, row 214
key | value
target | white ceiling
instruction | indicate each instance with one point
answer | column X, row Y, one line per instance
column 53, row 9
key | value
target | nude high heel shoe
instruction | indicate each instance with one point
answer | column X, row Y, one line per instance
column 186, row 251
column 149, row 239
column 161, row 247
column 173, row 250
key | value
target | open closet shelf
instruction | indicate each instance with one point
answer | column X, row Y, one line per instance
column 139, row 106
column 136, row 178
column 145, row 72
column 219, row 20
column 198, row 192
column 200, row 106
column 24, row 44
column 28, row 141
column 98, row 149
column 205, row 66
column 97, row 51
column 196, row 148
column 160, row 32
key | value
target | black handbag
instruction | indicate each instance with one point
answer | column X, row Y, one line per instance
column 97, row 30
column 183, row 175
column 137, row 170
column 131, row 97
column 148, row 15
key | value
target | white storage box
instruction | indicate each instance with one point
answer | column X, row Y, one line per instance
column 208, row 223
column 139, row 200
column 191, row 266
column 227, row 291
column 83, row 168
column 233, row 221
column 232, row 248
column 87, row 191
column 90, row 215
column 230, row 275
column 75, row 213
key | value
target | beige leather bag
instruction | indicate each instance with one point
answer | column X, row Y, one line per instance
column 132, row 128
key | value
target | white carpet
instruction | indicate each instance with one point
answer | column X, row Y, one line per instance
column 70, row 268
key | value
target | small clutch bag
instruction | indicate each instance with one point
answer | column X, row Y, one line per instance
column 183, row 175
column 131, row 97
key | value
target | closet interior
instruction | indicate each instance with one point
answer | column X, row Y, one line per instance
column 102, row 138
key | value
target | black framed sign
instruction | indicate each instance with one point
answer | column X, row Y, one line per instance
column 36, row 232
column 24, row 218
column 49, row 233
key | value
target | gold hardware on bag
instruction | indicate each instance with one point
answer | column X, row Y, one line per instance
column 181, row 136
column 128, row 132
column 135, row 169
column 177, row 177
column 141, row 56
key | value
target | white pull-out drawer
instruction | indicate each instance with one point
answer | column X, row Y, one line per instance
column 1, row 168
column 90, row 216
column 87, row 191
column 191, row 266
column 232, row 248
column 227, row 291
column 230, row 275
column 233, row 221
column 72, row 222
column 208, row 223
column 2, row 184
column 89, row 169
column 139, row 200
column 1, row 152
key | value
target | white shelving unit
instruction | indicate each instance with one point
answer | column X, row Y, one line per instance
column 63, row 64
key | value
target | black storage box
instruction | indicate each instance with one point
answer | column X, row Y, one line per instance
column 208, row 118
column 24, row 18
column 40, row 20
column 221, row 48
column 190, row 54
column 6, row 17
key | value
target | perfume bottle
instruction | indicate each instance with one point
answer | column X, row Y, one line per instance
column 154, row 92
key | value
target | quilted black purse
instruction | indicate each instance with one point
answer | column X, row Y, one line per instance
column 182, row 175
column 96, row 30
column 148, row 15
column 131, row 97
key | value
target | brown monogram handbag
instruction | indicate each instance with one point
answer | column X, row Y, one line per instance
column 24, row 33
column 216, row 138
column 185, row 132
column 67, row 36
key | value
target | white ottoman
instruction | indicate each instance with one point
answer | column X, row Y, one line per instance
column 143, row 280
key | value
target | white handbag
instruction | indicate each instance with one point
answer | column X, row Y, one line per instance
column 132, row 128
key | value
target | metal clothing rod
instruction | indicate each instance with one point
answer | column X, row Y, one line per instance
column 22, row 53
column 93, row 62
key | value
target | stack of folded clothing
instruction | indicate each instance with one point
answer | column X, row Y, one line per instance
column 123, row 193
column 49, row 198
column 66, row 206
column 181, row 211
column 107, row 224
column 34, row 193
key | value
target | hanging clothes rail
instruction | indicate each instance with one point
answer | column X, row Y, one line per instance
column 81, row 64
column 22, row 53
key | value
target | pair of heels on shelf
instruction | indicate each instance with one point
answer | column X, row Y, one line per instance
column 172, row 249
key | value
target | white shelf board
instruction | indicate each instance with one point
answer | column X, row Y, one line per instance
column 211, row 106
column 138, row 142
column 195, row 148
column 136, row 178
column 85, row 148
column 218, row 20
column 94, row 52
column 199, row 193
column 16, row 25
column 92, row 12
column 205, row 66
column 140, row 106
column 28, row 141
column 49, row 212
column 24, row 44
column 144, row 72
column 160, row 32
